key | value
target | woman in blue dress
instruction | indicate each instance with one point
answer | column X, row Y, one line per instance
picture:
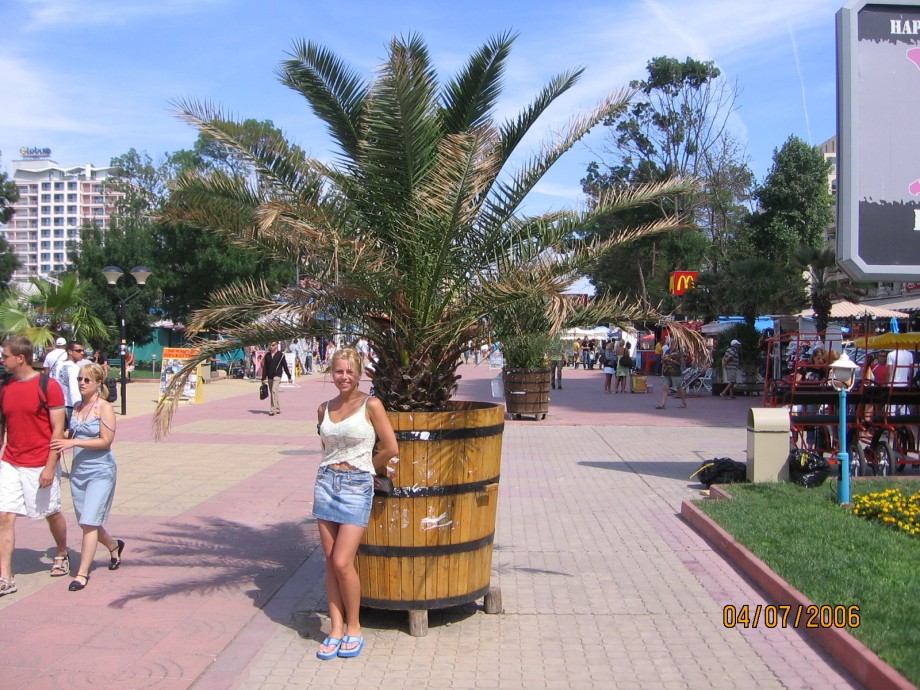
column 92, row 475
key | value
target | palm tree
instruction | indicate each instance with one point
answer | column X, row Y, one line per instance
column 414, row 236
column 49, row 310
column 825, row 281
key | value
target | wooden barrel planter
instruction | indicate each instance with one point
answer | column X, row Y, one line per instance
column 526, row 392
column 429, row 544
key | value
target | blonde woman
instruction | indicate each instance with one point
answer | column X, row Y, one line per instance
column 92, row 476
column 349, row 426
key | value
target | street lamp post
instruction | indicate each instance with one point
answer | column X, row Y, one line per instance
column 843, row 376
column 112, row 274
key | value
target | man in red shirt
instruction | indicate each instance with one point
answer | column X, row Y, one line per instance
column 29, row 472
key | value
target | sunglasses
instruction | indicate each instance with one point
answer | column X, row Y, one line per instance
column 86, row 380
column 78, row 351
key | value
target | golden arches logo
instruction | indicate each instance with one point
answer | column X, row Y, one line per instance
column 681, row 281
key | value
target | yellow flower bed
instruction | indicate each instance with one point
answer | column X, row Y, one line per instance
column 891, row 507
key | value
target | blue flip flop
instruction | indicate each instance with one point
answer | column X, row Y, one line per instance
column 348, row 653
column 329, row 642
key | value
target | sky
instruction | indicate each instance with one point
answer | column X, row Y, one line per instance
column 91, row 79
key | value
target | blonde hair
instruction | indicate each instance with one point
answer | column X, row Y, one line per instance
column 351, row 355
column 97, row 374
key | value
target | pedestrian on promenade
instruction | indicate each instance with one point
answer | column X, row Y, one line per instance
column 92, row 476
column 610, row 364
column 30, row 475
column 272, row 367
column 55, row 357
column 625, row 364
column 67, row 374
column 349, row 425
column 731, row 362
column 672, row 369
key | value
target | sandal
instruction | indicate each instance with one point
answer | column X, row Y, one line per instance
column 333, row 642
column 115, row 553
column 683, row 404
column 61, row 566
column 75, row 586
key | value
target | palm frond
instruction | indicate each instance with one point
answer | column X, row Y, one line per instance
column 469, row 98
column 337, row 94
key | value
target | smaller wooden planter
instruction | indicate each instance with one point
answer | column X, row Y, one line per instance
column 526, row 392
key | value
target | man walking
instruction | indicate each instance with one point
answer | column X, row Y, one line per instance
column 30, row 475
column 731, row 362
column 67, row 377
column 272, row 367
column 55, row 357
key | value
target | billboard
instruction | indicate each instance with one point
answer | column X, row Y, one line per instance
column 681, row 281
column 878, row 171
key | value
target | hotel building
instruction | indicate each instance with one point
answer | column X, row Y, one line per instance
column 54, row 203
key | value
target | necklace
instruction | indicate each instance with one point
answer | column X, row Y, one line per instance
column 83, row 406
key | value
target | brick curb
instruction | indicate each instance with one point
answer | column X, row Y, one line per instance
column 864, row 664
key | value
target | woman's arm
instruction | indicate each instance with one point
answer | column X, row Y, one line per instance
column 387, row 447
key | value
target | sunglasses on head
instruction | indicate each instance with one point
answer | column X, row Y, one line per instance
column 85, row 379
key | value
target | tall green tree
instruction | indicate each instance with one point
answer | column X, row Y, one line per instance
column 746, row 287
column 826, row 282
column 414, row 233
column 8, row 263
column 795, row 203
column 676, row 125
column 9, row 195
column 126, row 243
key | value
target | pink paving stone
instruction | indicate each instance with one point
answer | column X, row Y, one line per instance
column 68, row 631
column 71, row 680
column 96, row 660
column 166, row 664
column 136, row 638
column 15, row 678
column 38, row 656
column 200, row 634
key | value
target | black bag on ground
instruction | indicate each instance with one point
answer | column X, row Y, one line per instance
column 112, row 386
column 807, row 468
column 721, row 471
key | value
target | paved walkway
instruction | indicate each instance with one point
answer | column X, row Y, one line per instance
column 603, row 585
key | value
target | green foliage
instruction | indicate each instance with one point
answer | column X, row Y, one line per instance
column 51, row 310
column 526, row 351
column 826, row 282
column 746, row 287
column 745, row 334
column 835, row 558
column 795, row 203
column 676, row 125
column 9, row 195
column 126, row 243
column 8, row 263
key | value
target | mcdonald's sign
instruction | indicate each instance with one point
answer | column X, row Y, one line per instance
column 681, row 281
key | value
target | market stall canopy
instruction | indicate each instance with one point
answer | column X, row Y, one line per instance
column 572, row 333
column 890, row 340
column 851, row 310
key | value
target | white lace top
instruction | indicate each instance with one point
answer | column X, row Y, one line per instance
column 351, row 440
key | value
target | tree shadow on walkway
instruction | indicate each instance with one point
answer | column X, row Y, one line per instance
column 669, row 469
column 221, row 559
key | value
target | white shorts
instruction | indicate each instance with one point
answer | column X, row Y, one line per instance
column 21, row 495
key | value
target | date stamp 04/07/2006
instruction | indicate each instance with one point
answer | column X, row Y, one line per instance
column 795, row 616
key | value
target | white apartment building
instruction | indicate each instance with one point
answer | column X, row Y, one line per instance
column 54, row 203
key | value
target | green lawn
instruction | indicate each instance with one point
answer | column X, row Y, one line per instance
column 835, row 558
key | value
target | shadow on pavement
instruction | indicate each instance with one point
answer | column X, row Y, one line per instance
column 220, row 556
column 655, row 468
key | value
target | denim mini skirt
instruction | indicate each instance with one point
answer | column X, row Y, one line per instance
column 343, row 496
